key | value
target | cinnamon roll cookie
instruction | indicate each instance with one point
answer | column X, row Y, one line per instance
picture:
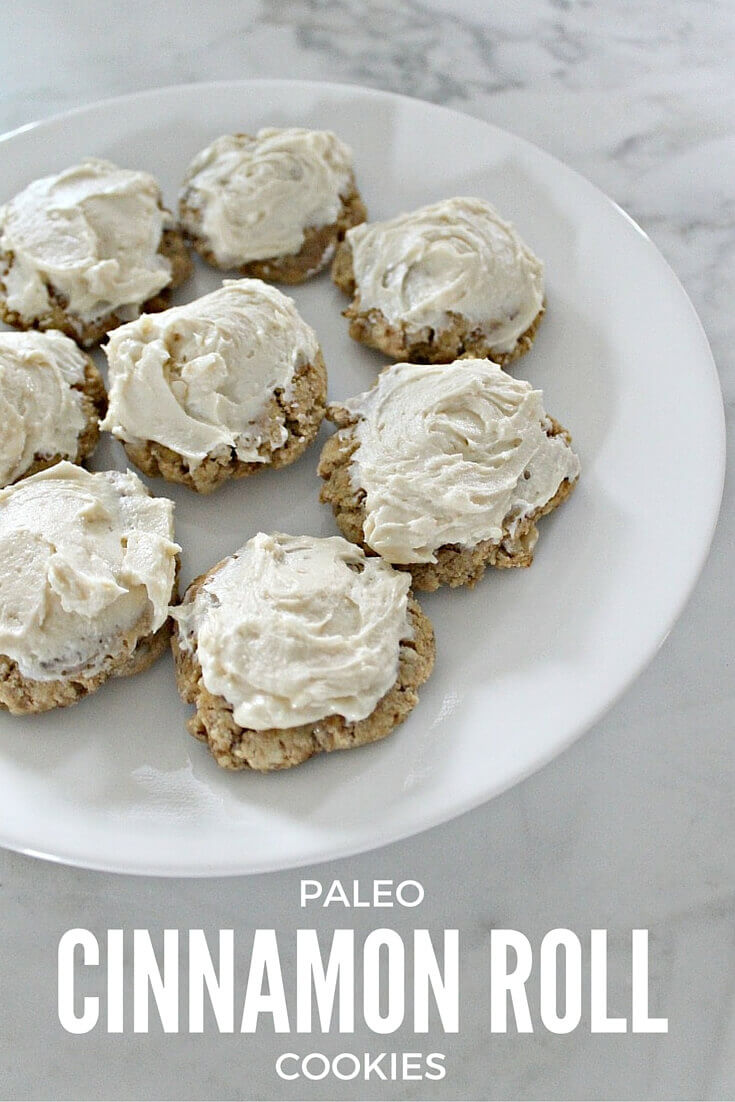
column 219, row 388
column 295, row 645
column 447, row 280
column 445, row 469
column 87, row 572
column 273, row 205
column 51, row 399
column 87, row 249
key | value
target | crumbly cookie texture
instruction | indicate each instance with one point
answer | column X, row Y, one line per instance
column 21, row 695
column 301, row 414
column 455, row 565
column 235, row 747
column 218, row 388
column 421, row 292
column 271, row 206
column 76, row 437
column 88, row 333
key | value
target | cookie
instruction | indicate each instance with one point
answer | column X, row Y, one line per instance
column 87, row 571
column 445, row 469
column 51, row 399
column 219, row 388
column 447, row 280
column 273, row 206
column 295, row 645
column 85, row 250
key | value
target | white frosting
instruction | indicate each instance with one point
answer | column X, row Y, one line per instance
column 254, row 197
column 92, row 232
column 451, row 454
column 199, row 378
column 293, row 629
column 40, row 412
column 456, row 257
column 83, row 558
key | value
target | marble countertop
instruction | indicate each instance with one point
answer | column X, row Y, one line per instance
column 632, row 827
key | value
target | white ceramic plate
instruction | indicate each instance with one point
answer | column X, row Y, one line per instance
column 526, row 661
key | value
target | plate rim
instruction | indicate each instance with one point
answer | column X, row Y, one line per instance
column 696, row 565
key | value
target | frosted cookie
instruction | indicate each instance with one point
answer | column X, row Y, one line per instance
column 446, row 280
column 219, row 388
column 51, row 399
column 295, row 645
column 85, row 250
column 445, row 469
column 274, row 205
column 87, row 571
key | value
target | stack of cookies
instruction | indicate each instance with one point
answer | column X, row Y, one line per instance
column 293, row 644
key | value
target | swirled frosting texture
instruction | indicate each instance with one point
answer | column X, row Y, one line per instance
column 451, row 454
column 456, row 257
column 92, row 233
column 293, row 629
column 40, row 411
column 83, row 559
column 200, row 378
column 253, row 197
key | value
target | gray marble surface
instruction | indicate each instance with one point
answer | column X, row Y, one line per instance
column 634, row 826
